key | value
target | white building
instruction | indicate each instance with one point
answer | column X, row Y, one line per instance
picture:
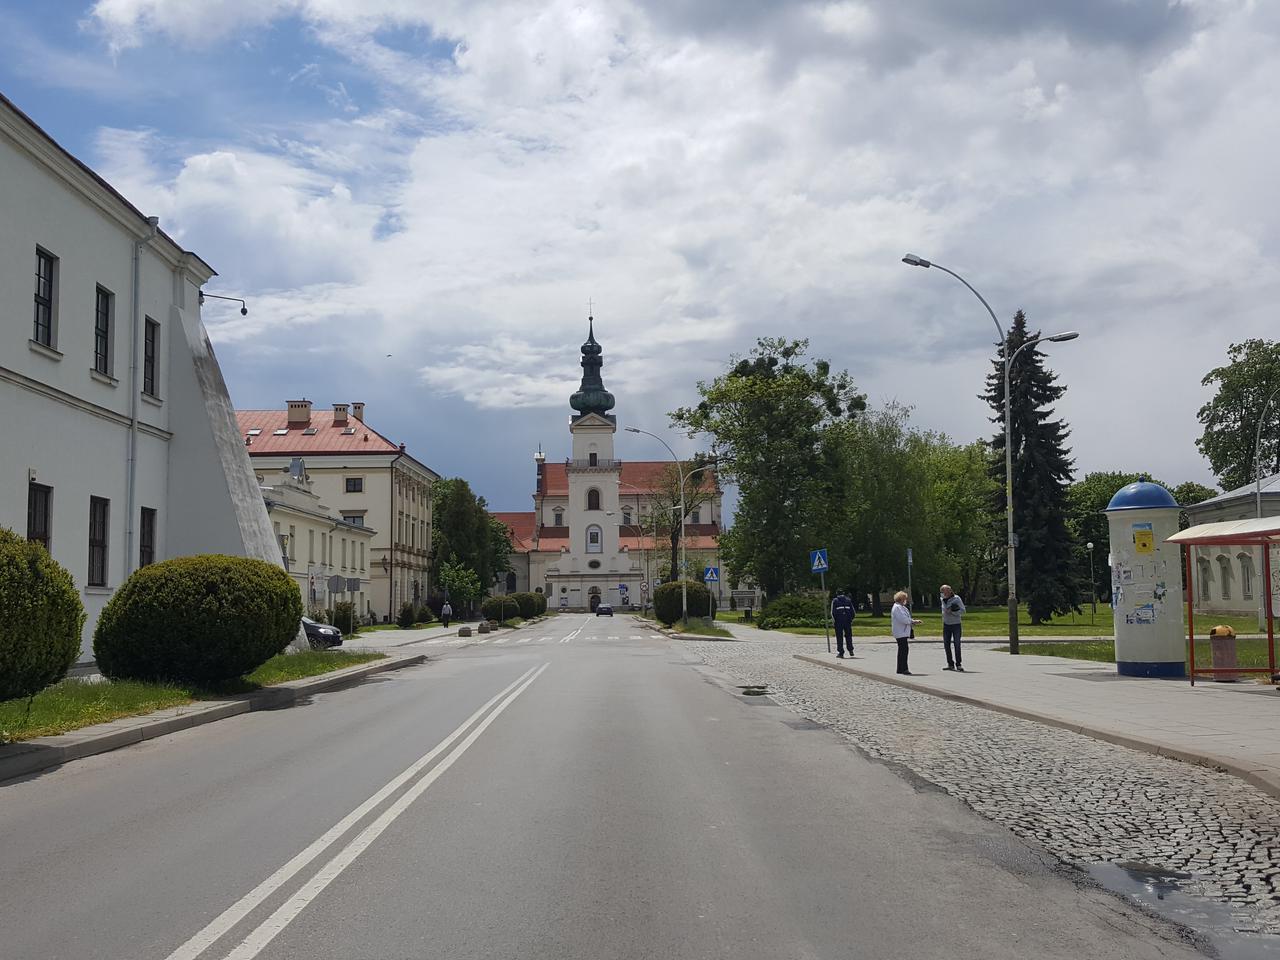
column 302, row 523
column 1229, row 579
column 118, row 443
column 590, row 538
column 365, row 478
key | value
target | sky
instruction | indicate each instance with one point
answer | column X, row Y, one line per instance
column 419, row 199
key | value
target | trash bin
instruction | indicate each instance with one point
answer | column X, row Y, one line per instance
column 1222, row 649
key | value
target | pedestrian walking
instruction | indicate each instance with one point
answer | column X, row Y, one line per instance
column 842, row 615
column 903, row 629
column 446, row 612
column 952, row 610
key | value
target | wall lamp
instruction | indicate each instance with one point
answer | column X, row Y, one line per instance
column 244, row 308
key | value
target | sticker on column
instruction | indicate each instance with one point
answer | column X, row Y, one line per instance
column 1144, row 538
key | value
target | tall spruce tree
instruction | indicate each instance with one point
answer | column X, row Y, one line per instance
column 1047, row 581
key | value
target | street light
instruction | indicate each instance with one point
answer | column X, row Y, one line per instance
column 1093, row 586
column 912, row 260
column 244, row 307
column 684, row 572
column 1257, row 453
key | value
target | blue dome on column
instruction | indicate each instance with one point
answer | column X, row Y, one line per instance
column 1143, row 495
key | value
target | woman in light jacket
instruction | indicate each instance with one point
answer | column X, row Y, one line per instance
column 902, row 629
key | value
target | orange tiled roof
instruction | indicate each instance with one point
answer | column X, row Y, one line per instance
column 328, row 436
column 520, row 527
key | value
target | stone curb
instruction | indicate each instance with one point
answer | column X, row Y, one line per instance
column 1265, row 782
column 31, row 756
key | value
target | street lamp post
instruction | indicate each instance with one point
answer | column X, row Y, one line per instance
column 1011, row 548
column 648, row 583
column 1093, row 586
column 684, row 573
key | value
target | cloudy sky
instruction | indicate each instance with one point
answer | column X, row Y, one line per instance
column 450, row 182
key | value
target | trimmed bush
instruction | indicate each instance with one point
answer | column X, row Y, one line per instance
column 343, row 613
column 405, row 618
column 542, row 603
column 500, row 608
column 793, row 610
column 528, row 603
column 425, row 615
column 201, row 620
column 667, row 600
column 40, row 618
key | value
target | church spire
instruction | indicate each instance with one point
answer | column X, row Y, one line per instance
column 591, row 397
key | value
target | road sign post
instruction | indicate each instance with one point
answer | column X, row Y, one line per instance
column 909, row 593
column 818, row 564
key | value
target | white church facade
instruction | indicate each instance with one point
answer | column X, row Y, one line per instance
column 590, row 538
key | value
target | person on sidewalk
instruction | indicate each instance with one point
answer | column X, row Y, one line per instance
column 952, row 610
column 842, row 615
column 446, row 612
column 903, row 629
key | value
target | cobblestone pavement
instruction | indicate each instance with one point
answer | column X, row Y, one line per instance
column 1084, row 800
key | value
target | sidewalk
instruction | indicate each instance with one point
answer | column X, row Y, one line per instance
column 1232, row 726
column 387, row 640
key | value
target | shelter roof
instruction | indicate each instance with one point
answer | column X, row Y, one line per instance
column 1259, row 530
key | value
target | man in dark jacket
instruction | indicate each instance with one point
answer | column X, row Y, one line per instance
column 842, row 614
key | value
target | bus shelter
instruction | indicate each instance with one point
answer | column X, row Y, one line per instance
column 1261, row 532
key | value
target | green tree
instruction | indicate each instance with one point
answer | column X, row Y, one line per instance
column 460, row 582
column 769, row 416
column 1231, row 418
column 664, row 502
column 1041, row 473
column 463, row 531
column 958, row 510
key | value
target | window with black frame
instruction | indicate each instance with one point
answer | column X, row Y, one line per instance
column 99, row 516
column 150, row 357
column 102, row 331
column 43, row 325
column 39, row 513
column 147, row 537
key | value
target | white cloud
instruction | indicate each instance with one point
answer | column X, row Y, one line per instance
column 708, row 181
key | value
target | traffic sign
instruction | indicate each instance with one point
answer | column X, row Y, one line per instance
column 711, row 575
column 644, row 586
column 622, row 588
column 336, row 583
column 818, row 561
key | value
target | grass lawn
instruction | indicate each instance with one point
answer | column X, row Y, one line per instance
column 698, row 627
column 378, row 626
column 76, row 703
column 1249, row 653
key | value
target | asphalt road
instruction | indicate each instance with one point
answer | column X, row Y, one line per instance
column 585, row 794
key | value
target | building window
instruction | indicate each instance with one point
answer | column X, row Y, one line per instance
column 99, row 517
column 103, row 308
column 147, row 537
column 311, row 546
column 593, row 499
column 150, row 358
column 39, row 513
column 1224, row 570
column 45, row 286
column 558, row 518
column 344, row 553
column 355, row 519
column 695, row 516
column 362, row 556
column 324, row 557
column 594, row 543
column 355, row 485
column 1205, row 573
column 293, row 537
column 593, row 459
column 1246, row 576
column 626, row 516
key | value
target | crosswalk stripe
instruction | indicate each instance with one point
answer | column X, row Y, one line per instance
column 525, row 640
column 566, row 639
column 432, row 643
column 501, row 640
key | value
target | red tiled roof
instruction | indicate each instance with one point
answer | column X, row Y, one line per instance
column 520, row 526
column 647, row 475
column 328, row 437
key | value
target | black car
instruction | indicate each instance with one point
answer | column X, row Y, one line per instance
column 321, row 635
column 604, row 610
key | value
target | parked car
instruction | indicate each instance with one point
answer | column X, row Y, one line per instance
column 604, row 610
column 321, row 635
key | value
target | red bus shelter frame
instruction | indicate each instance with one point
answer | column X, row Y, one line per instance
column 1262, row 532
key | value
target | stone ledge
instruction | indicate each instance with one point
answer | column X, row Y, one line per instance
column 1263, row 780
column 32, row 756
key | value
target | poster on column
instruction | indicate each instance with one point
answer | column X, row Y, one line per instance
column 1275, row 579
column 1144, row 538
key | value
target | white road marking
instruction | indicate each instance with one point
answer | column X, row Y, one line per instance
column 220, row 924
column 485, row 640
column 501, row 640
column 525, row 640
column 275, row 924
column 432, row 643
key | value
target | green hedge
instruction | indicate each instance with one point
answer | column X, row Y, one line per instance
column 41, row 617
column 407, row 616
column 667, row 601
column 529, row 605
column 201, row 620
column 793, row 610
column 344, row 612
column 425, row 615
column 500, row 608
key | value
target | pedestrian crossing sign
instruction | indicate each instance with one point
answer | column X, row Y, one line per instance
column 711, row 575
column 818, row 561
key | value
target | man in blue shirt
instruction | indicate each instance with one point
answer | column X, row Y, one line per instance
column 842, row 614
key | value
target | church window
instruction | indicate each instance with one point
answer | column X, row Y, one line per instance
column 695, row 516
column 594, row 540
column 1205, row 574
column 1246, row 576
column 558, row 518
column 1224, row 564
column 626, row 516
column 594, row 459
column 593, row 499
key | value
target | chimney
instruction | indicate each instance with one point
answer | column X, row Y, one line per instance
column 340, row 413
column 299, row 412
column 357, row 410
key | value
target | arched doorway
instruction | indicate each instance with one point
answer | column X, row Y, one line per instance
column 594, row 594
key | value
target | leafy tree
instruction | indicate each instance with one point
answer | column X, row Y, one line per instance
column 1041, row 473
column 664, row 501
column 463, row 531
column 958, row 512
column 460, row 582
column 769, row 415
column 1231, row 418
column 1190, row 493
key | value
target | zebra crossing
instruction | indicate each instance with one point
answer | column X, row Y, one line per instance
column 519, row 641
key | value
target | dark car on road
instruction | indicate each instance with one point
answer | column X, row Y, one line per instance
column 604, row 610
column 321, row 635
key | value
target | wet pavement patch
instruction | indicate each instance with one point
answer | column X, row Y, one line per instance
column 1233, row 936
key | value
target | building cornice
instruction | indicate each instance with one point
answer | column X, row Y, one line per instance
column 28, row 136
